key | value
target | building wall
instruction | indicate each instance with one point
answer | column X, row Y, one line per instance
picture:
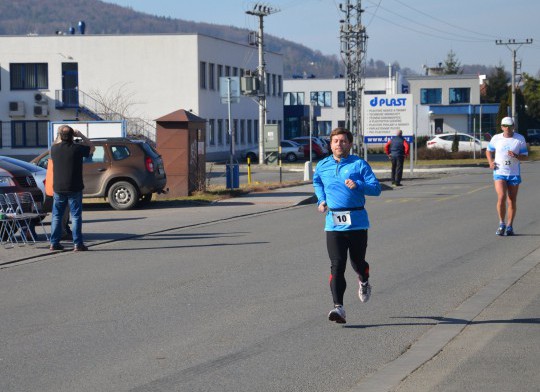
column 334, row 114
column 157, row 74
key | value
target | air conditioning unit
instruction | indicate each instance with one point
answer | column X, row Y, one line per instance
column 16, row 109
column 40, row 99
column 41, row 111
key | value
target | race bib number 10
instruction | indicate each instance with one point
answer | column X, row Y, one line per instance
column 341, row 218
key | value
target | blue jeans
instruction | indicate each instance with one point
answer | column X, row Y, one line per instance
column 60, row 202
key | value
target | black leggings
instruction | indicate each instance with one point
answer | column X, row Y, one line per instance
column 338, row 243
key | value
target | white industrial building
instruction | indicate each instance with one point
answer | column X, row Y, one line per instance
column 140, row 77
column 328, row 96
column 442, row 103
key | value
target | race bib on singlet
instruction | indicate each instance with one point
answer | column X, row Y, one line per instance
column 506, row 165
column 341, row 218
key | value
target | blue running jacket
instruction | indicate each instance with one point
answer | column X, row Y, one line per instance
column 329, row 183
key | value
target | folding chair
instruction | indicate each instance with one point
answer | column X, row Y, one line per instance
column 10, row 223
column 30, row 208
column 22, row 214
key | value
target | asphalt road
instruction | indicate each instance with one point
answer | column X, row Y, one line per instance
column 241, row 305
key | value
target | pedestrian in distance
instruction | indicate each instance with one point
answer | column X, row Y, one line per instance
column 509, row 148
column 341, row 183
column 397, row 149
column 68, row 184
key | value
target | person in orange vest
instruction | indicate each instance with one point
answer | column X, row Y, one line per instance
column 397, row 149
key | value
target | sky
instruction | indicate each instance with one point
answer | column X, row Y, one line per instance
column 415, row 33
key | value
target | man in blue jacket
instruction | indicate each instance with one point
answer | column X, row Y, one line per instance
column 341, row 182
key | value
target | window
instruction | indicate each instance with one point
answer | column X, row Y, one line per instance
column 293, row 99
column 341, row 123
column 268, row 85
column 430, row 96
column 460, row 95
column 219, row 73
column 256, row 130
column 29, row 134
column 242, row 131
column 227, row 70
column 120, row 152
column 235, row 71
column 341, row 99
column 324, row 128
column 234, row 131
column 98, row 156
column 249, row 132
column 321, row 98
column 211, row 136
column 220, row 132
column 274, row 87
column 228, row 132
column 202, row 75
column 1, row 145
column 279, row 85
column 29, row 76
column 211, row 76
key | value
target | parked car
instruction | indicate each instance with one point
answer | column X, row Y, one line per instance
column 318, row 149
column 533, row 136
column 290, row 151
column 15, row 178
column 39, row 175
column 466, row 142
column 126, row 172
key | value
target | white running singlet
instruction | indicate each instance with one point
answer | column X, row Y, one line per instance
column 506, row 165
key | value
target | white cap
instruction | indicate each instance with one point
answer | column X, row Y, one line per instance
column 507, row 121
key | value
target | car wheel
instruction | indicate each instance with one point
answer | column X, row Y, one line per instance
column 146, row 199
column 291, row 157
column 123, row 195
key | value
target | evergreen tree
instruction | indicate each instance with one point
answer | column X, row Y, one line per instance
column 452, row 66
column 531, row 93
column 455, row 143
column 496, row 85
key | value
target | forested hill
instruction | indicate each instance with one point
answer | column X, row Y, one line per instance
column 21, row 17
column 45, row 17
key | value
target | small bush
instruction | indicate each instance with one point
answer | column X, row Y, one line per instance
column 425, row 153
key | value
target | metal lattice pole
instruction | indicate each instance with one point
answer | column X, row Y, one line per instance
column 260, row 10
column 353, row 39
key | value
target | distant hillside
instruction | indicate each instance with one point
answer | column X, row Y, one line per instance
column 45, row 17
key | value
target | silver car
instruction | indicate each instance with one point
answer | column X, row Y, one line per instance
column 290, row 151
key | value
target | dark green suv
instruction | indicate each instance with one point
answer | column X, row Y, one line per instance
column 124, row 171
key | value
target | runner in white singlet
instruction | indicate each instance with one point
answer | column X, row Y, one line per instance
column 509, row 148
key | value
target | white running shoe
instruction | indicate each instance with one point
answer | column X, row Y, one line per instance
column 364, row 291
column 338, row 315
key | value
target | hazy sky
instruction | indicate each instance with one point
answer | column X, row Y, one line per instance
column 411, row 32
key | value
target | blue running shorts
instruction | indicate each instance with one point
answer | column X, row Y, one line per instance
column 510, row 180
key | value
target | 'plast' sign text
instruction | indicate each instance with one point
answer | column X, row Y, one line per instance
column 384, row 114
column 389, row 102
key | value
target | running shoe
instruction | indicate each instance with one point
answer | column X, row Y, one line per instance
column 509, row 230
column 501, row 229
column 364, row 291
column 338, row 315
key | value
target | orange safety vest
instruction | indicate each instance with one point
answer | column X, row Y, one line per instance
column 49, row 178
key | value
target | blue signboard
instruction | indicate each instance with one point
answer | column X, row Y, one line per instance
column 384, row 139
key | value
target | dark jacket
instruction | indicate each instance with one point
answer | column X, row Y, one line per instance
column 397, row 147
column 67, row 169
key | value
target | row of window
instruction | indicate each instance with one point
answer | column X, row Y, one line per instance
column 246, row 131
column 28, row 134
column 319, row 98
column 209, row 74
column 28, row 76
column 433, row 96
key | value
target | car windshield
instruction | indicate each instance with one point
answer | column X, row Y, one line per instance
column 150, row 150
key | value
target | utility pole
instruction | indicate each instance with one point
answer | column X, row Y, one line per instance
column 261, row 11
column 508, row 44
column 353, row 39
